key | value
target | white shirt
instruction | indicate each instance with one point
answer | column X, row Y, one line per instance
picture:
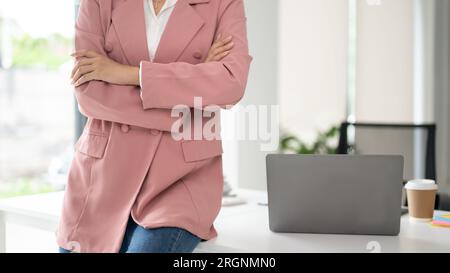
column 155, row 25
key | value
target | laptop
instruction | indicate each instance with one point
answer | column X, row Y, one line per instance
column 335, row 194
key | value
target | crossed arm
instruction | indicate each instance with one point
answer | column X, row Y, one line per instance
column 90, row 65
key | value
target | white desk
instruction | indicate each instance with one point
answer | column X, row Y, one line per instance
column 244, row 228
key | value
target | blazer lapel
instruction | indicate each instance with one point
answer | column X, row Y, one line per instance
column 183, row 24
column 129, row 22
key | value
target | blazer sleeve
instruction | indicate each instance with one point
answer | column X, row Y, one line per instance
column 217, row 83
column 102, row 100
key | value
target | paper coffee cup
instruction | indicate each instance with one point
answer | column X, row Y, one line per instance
column 421, row 194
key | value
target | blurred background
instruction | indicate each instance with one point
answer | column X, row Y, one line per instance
column 382, row 64
column 349, row 76
column 36, row 101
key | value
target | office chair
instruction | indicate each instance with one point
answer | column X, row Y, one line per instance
column 416, row 142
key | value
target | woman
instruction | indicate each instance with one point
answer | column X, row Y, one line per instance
column 133, row 186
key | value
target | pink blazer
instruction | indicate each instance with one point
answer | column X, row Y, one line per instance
column 126, row 161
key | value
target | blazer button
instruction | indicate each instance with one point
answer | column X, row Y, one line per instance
column 125, row 128
column 108, row 47
column 154, row 132
column 197, row 55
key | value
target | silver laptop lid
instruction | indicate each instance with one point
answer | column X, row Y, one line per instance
column 348, row 194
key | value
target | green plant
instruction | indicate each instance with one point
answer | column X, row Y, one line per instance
column 24, row 186
column 290, row 143
column 49, row 52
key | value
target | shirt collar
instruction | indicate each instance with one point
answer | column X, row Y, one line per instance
column 170, row 3
column 167, row 4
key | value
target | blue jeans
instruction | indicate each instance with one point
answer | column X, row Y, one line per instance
column 155, row 240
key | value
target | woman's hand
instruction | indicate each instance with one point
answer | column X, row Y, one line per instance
column 91, row 65
column 220, row 49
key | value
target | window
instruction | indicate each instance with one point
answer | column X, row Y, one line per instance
column 36, row 99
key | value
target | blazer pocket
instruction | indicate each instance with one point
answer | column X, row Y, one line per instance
column 195, row 150
column 92, row 144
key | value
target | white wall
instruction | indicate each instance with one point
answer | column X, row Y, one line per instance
column 384, row 69
column 313, row 65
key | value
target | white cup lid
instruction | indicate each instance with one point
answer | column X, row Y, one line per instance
column 421, row 184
